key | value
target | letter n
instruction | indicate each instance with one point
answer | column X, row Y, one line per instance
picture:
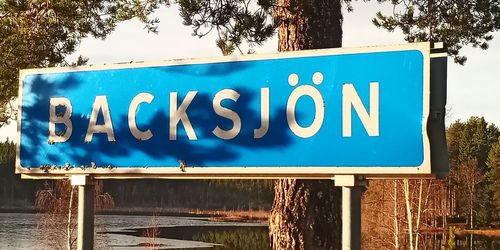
column 350, row 98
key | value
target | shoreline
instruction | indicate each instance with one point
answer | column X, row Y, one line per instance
column 21, row 210
column 212, row 214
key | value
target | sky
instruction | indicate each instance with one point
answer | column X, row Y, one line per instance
column 473, row 89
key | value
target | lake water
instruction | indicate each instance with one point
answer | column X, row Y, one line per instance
column 19, row 231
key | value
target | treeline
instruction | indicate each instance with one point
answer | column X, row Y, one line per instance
column 195, row 194
column 427, row 214
column 14, row 192
column 137, row 194
column 474, row 179
column 470, row 193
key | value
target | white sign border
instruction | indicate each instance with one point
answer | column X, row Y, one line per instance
column 194, row 172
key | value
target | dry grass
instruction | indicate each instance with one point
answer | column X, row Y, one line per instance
column 232, row 215
column 228, row 215
column 58, row 204
column 53, row 201
column 152, row 233
column 491, row 233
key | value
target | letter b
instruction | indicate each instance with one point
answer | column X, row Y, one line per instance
column 65, row 118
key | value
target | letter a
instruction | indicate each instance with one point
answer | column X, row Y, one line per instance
column 100, row 103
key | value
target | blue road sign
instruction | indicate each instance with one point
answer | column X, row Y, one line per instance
column 309, row 113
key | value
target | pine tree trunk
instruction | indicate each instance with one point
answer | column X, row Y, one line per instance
column 312, row 24
column 306, row 214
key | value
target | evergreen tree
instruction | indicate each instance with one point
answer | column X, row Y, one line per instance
column 493, row 176
column 294, row 223
column 306, row 214
column 456, row 23
column 13, row 190
column 471, row 140
column 41, row 33
column 38, row 33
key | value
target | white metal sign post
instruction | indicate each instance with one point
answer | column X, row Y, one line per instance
column 373, row 112
column 352, row 190
column 86, row 196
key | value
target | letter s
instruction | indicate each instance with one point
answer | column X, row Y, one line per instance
column 227, row 113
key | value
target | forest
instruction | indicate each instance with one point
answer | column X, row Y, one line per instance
column 467, row 199
column 400, row 213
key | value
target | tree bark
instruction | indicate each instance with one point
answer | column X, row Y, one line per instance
column 396, row 226
column 306, row 214
column 312, row 24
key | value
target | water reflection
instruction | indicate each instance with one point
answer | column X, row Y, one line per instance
column 224, row 237
column 244, row 238
column 19, row 231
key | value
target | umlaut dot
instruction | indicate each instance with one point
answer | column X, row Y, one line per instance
column 293, row 79
column 317, row 78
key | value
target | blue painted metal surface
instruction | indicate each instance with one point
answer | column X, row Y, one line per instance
column 400, row 142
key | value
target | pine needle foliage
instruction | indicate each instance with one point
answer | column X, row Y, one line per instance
column 493, row 176
column 41, row 33
column 457, row 23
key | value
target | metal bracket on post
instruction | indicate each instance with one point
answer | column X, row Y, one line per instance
column 85, row 238
column 352, row 189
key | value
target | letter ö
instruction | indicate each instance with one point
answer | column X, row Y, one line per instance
column 315, row 95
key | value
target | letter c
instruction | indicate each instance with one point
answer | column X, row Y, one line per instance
column 132, row 111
